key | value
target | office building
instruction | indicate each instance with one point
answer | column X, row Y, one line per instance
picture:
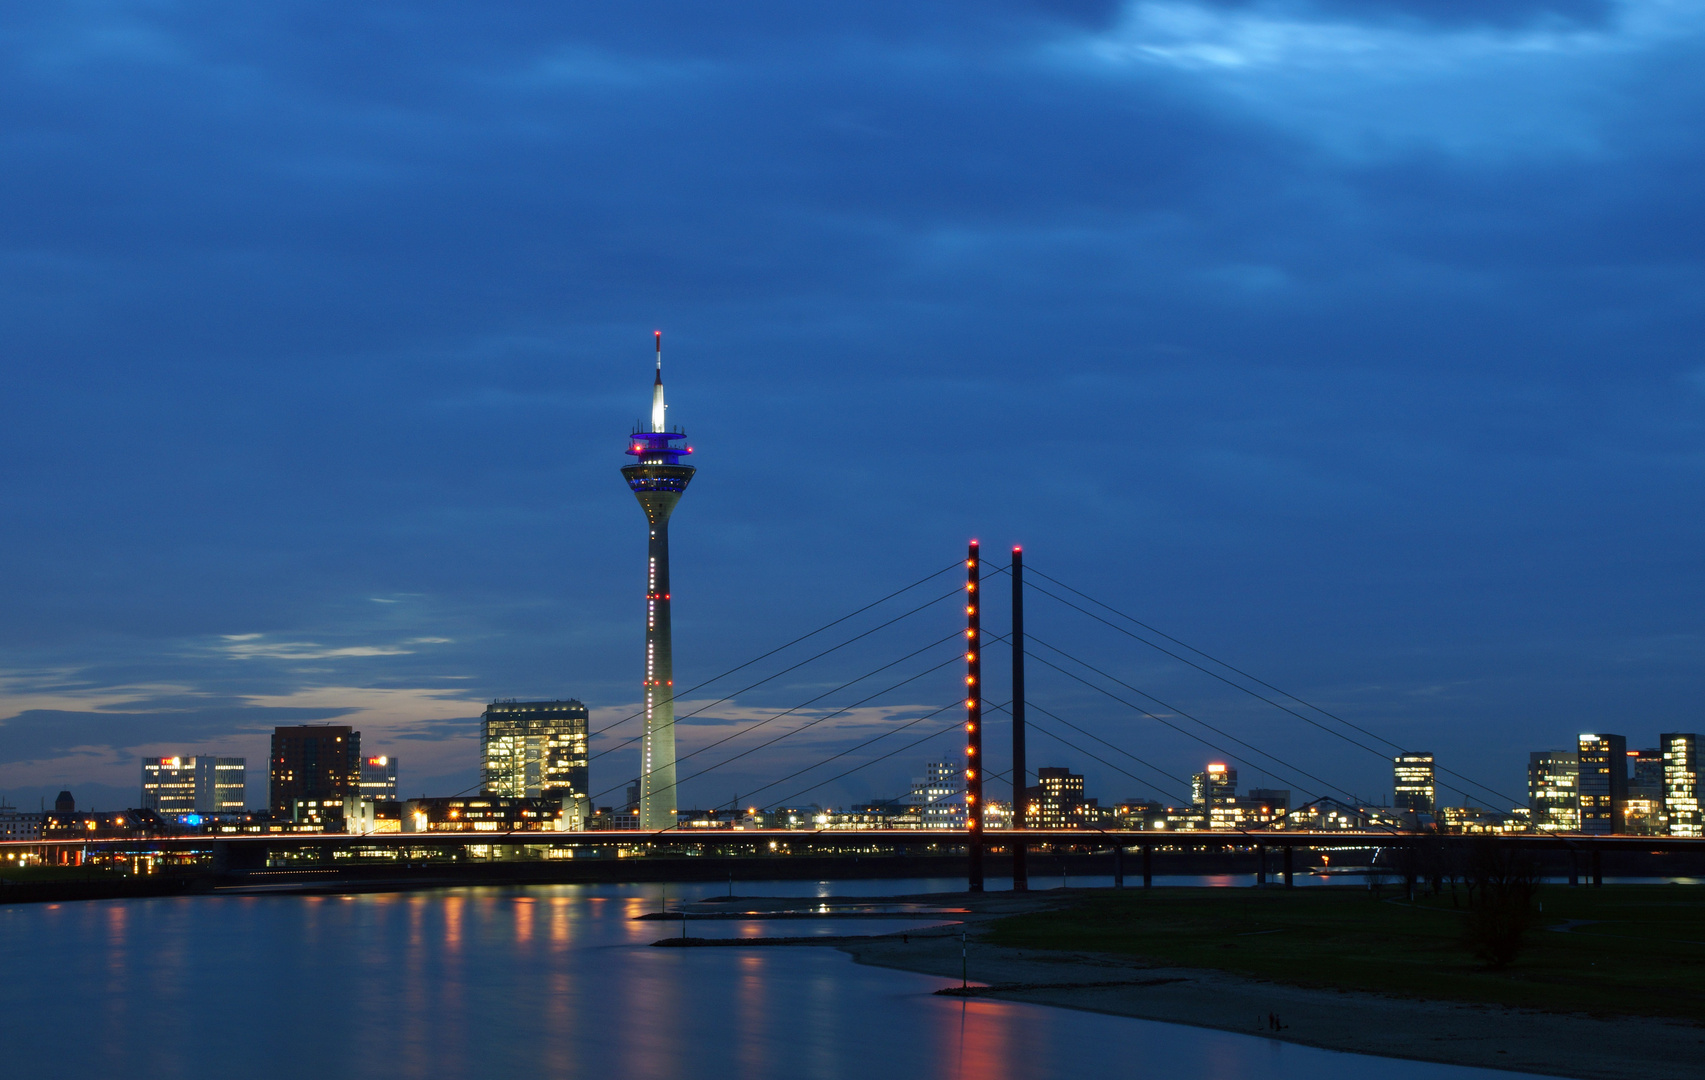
column 535, row 749
column 379, row 777
column 658, row 480
column 18, row 824
column 1412, row 782
column 939, row 795
column 1056, row 802
column 487, row 813
column 1552, row 794
column 1681, row 784
column 1603, row 782
column 1646, row 774
column 201, row 784
column 168, row 784
column 337, row 814
column 1216, row 786
column 314, row 761
column 1277, row 800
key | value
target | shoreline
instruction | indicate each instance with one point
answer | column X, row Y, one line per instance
column 1518, row 1040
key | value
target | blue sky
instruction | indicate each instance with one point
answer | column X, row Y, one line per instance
column 1357, row 344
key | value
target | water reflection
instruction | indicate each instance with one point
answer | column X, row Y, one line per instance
column 554, row 979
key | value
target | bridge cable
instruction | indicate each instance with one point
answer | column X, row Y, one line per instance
column 1230, row 667
column 705, row 708
column 1179, row 712
column 779, row 648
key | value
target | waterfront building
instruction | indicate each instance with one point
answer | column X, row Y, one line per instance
column 939, row 796
column 1603, row 782
column 379, row 777
column 535, row 749
column 1646, row 774
column 17, row 824
column 1681, row 783
column 1279, row 799
column 1216, row 785
column 338, row 814
column 1412, row 782
column 1644, row 816
column 1241, row 813
column 1552, row 792
column 489, row 813
column 314, row 761
column 201, row 784
column 1056, row 802
column 658, row 480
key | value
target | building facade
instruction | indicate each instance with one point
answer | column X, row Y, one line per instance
column 194, row 785
column 312, row 761
column 379, row 777
column 535, row 749
column 1681, row 783
column 1216, row 786
column 486, row 813
column 1603, row 782
column 939, row 796
column 1056, row 802
column 1552, row 791
column 1412, row 782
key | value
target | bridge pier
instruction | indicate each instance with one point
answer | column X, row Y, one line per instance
column 1598, row 868
column 1574, row 868
column 1289, row 848
column 1118, row 866
column 1261, row 874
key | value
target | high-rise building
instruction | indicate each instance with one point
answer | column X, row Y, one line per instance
column 1646, row 774
column 1056, row 802
column 1553, row 796
column 939, row 795
column 535, row 749
column 1412, row 782
column 379, row 777
column 1215, row 787
column 313, row 761
column 1603, row 783
column 194, row 785
column 658, row 479
column 1681, row 784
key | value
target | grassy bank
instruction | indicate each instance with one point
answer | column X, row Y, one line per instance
column 1628, row 949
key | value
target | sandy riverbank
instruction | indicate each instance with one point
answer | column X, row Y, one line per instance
column 1487, row 1036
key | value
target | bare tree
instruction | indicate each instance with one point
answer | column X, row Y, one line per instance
column 1502, row 880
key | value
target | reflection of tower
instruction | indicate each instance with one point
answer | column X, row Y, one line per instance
column 657, row 480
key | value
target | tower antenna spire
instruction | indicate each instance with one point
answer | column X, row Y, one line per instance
column 658, row 409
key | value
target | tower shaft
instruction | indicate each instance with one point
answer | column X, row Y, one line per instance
column 657, row 801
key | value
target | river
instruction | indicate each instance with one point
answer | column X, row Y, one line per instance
column 551, row 981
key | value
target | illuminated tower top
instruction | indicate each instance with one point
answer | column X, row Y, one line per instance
column 655, row 445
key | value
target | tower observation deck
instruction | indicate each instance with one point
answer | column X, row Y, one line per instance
column 658, row 479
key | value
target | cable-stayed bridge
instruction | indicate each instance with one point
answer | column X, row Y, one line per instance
column 931, row 637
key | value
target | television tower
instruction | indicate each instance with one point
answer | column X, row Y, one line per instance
column 658, row 478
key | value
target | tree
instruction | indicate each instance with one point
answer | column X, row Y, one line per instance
column 1502, row 880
